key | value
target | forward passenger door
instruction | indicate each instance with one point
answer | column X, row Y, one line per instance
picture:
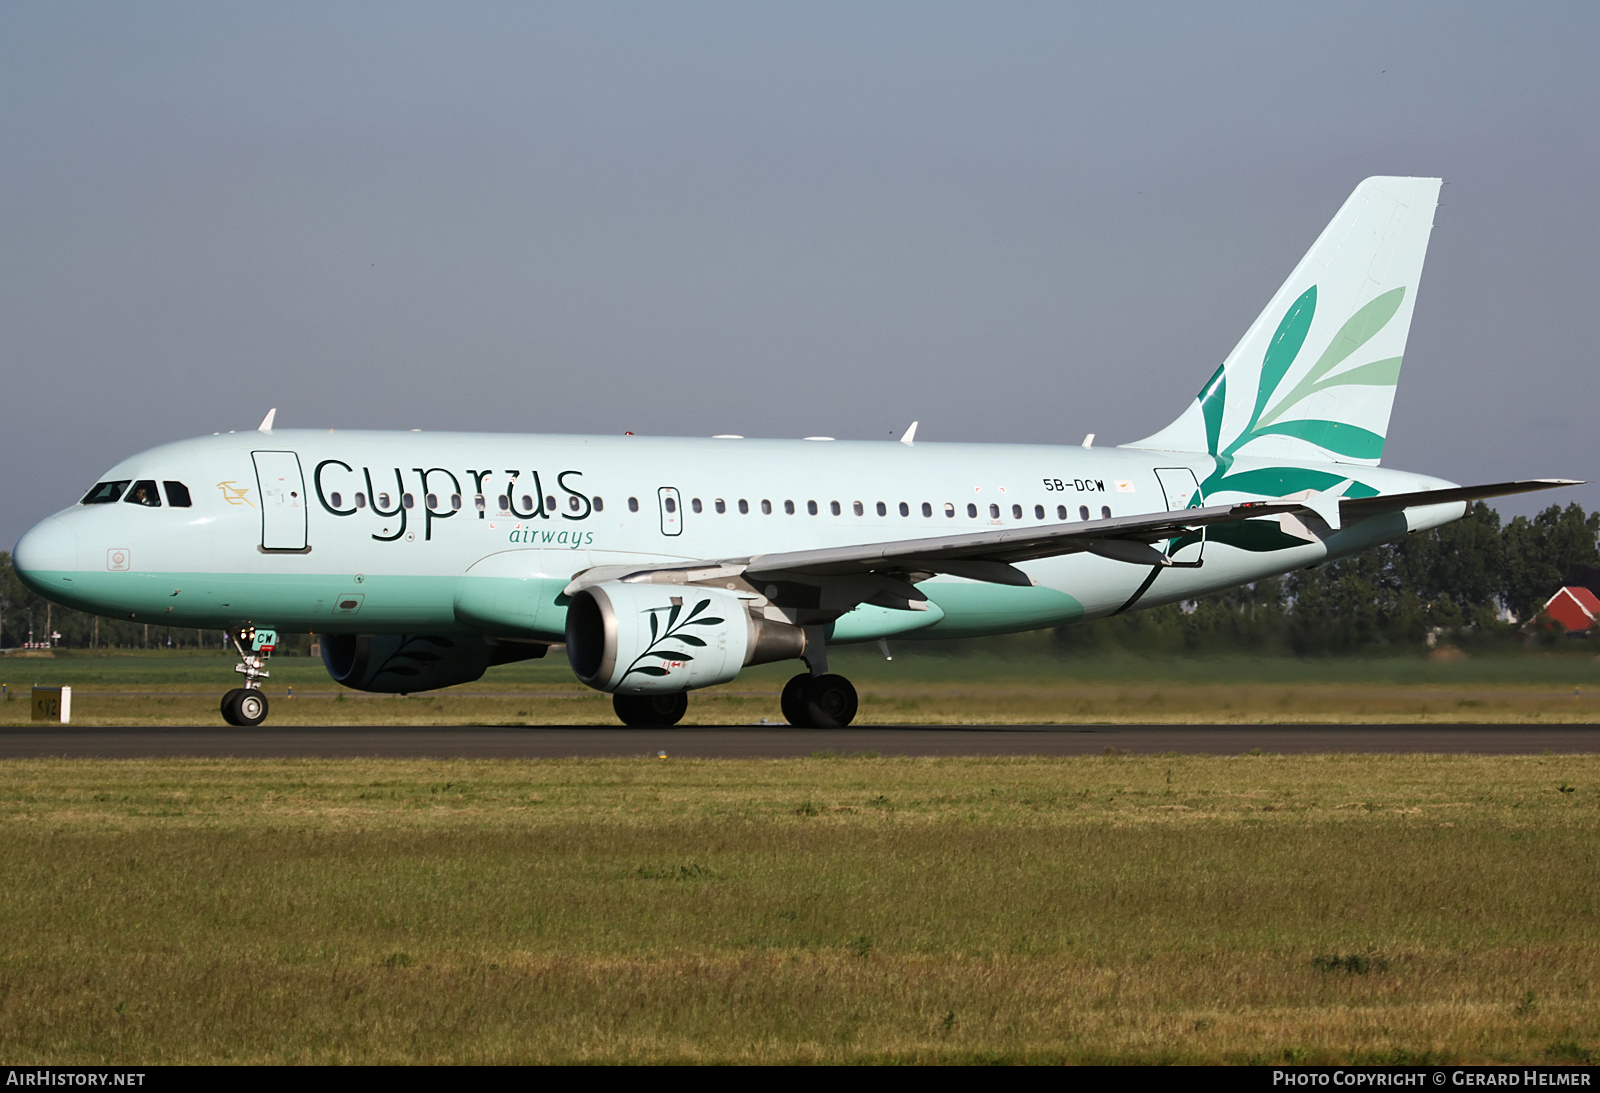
column 283, row 501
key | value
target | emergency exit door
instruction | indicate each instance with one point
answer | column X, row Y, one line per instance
column 671, row 510
column 283, row 501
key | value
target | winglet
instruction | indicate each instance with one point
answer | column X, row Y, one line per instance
column 911, row 435
column 266, row 422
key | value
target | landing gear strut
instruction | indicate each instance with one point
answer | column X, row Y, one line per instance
column 651, row 710
column 247, row 706
column 819, row 702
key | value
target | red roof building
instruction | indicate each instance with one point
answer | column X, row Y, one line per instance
column 1573, row 607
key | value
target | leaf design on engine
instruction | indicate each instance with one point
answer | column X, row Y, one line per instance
column 664, row 634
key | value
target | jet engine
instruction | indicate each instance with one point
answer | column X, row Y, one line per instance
column 405, row 663
column 631, row 638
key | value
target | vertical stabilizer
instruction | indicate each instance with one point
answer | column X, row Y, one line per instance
column 1314, row 377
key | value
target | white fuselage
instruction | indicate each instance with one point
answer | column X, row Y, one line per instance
column 410, row 532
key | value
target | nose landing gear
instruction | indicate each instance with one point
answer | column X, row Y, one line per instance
column 247, row 706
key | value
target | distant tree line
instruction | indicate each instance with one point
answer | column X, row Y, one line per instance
column 1457, row 584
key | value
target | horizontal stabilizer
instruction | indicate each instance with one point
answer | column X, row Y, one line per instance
column 1357, row 507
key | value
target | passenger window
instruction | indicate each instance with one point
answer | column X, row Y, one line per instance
column 694, row 505
column 949, row 510
column 1105, row 512
column 408, row 501
column 455, row 502
column 433, row 502
column 383, row 500
column 811, row 508
column 972, row 511
column 527, row 502
column 479, row 502
column 104, row 493
column 833, row 507
column 549, row 503
column 744, row 507
column 1083, row 512
column 1016, row 512
column 572, row 503
column 994, row 512
column 788, row 507
column 1038, row 512
column 633, row 504
column 599, row 504
column 927, row 509
column 335, row 498
column 361, row 500
column 859, row 509
column 720, row 505
column 670, row 504
column 503, row 501
column 766, row 507
column 144, row 493
column 883, row 510
column 1061, row 512
column 178, row 495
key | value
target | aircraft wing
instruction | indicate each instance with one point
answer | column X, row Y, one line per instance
column 991, row 555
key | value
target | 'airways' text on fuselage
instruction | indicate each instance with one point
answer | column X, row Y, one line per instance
column 342, row 490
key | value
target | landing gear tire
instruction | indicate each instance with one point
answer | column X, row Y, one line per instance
column 831, row 702
column 230, row 705
column 251, row 709
column 819, row 702
column 793, row 702
column 244, row 708
column 646, row 711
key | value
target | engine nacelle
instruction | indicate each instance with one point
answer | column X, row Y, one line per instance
column 405, row 663
column 662, row 638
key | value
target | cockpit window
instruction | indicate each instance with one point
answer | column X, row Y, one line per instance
column 144, row 493
column 178, row 495
column 104, row 493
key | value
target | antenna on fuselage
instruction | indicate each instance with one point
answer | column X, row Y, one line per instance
column 266, row 422
column 911, row 435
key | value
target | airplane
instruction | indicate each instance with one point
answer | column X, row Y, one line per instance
column 668, row 564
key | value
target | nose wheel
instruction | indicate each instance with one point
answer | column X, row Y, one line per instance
column 245, row 708
column 819, row 702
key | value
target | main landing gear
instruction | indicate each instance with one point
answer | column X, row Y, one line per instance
column 646, row 711
column 246, row 706
column 819, row 701
column 816, row 699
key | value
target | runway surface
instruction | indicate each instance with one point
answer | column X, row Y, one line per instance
column 781, row 741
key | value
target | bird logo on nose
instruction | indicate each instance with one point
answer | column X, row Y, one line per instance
column 234, row 494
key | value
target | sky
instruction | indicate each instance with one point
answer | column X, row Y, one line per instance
column 1008, row 221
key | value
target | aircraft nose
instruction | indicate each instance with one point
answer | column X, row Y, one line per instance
column 49, row 547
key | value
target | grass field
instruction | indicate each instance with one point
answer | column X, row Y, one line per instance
column 1006, row 684
column 832, row 909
